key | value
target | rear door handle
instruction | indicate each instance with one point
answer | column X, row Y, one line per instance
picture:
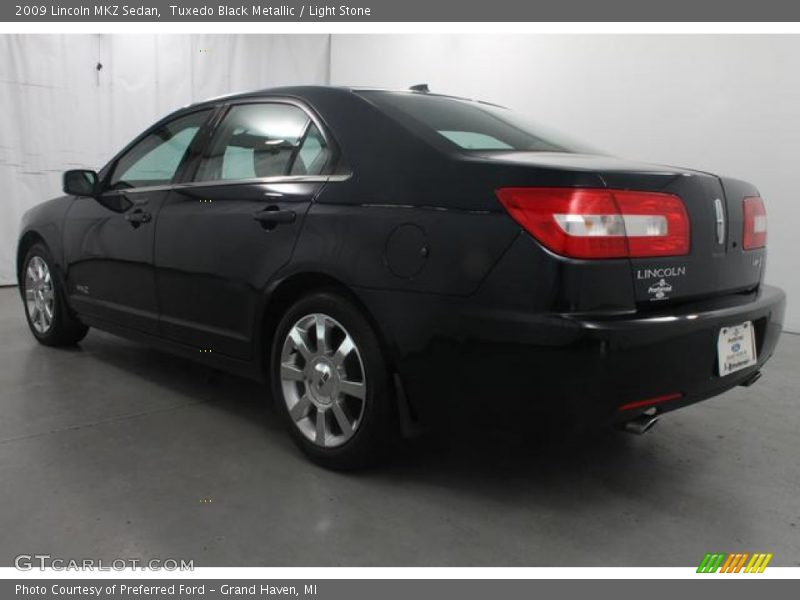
column 137, row 217
column 272, row 216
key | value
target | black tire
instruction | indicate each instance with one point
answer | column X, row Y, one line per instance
column 64, row 329
column 377, row 431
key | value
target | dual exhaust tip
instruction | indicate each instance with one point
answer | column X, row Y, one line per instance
column 640, row 425
column 647, row 420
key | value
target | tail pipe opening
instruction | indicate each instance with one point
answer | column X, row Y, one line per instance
column 641, row 424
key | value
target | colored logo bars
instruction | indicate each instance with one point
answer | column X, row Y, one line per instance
column 734, row 563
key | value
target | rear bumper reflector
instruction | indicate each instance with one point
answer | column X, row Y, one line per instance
column 651, row 401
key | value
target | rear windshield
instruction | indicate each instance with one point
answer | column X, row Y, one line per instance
column 473, row 125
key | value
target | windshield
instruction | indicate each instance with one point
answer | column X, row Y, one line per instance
column 473, row 126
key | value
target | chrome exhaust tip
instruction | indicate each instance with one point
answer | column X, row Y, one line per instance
column 640, row 425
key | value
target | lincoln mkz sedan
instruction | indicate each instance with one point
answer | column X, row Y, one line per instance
column 387, row 260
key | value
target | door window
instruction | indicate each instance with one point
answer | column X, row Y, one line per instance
column 312, row 156
column 264, row 140
column 155, row 159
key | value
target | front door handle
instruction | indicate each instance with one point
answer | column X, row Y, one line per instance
column 138, row 217
column 272, row 216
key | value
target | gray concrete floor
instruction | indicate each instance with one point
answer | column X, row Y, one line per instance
column 115, row 450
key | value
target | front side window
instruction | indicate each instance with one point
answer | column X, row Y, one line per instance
column 264, row 140
column 155, row 159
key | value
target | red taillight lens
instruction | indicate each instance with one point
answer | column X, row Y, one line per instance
column 755, row 223
column 600, row 223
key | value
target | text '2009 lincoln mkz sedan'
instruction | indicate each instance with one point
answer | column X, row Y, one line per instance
column 387, row 260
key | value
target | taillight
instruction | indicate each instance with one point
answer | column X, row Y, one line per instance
column 600, row 223
column 755, row 223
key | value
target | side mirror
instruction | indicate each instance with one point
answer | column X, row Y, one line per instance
column 80, row 182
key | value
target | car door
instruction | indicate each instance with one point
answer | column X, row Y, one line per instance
column 108, row 240
column 225, row 232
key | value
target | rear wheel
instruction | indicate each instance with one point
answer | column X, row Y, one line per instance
column 331, row 383
column 46, row 310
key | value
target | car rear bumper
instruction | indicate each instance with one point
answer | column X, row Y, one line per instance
column 670, row 360
column 497, row 364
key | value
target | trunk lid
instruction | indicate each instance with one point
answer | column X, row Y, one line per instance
column 716, row 263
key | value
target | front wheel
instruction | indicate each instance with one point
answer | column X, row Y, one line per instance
column 46, row 310
column 331, row 383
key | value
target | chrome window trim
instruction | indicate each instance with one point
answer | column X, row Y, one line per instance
column 298, row 103
column 252, row 181
column 265, row 180
column 138, row 190
column 219, row 112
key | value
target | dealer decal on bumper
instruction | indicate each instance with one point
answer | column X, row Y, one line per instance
column 736, row 348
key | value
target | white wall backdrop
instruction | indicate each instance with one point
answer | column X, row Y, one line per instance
column 59, row 112
column 726, row 104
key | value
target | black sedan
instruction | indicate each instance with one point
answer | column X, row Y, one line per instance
column 391, row 260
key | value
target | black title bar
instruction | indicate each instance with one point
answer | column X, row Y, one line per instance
column 401, row 10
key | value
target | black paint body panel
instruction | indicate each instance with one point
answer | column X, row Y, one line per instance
column 470, row 308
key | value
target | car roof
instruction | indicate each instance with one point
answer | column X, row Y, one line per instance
column 309, row 91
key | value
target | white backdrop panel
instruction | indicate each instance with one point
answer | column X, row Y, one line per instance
column 59, row 112
column 727, row 104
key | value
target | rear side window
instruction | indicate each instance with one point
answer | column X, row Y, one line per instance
column 471, row 125
column 264, row 140
column 155, row 159
column 313, row 154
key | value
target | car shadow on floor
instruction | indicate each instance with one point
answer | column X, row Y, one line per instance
column 473, row 457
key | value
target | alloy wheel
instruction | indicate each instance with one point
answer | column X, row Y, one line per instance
column 323, row 380
column 39, row 294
